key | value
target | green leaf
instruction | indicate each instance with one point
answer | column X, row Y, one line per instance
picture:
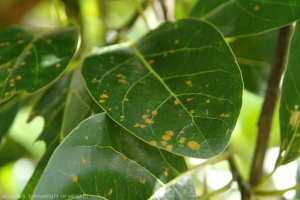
column 102, row 160
column 255, row 57
column 178, row 88
column 31, row 59
column 290, row 104
column 79, row 104
column 242, row 17
column 181, row 189
column 51, row 108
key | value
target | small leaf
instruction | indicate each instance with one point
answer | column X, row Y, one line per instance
column 255, row 57
column 99, row 159
column 178, row 88
column 242, row 17
column 290, row 104
column 31, row 59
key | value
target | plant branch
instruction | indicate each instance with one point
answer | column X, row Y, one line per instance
column 140, row 10
column 271, row 98
column 277, row 192
column 164, row 9
column 216, row 192
column 61, row 14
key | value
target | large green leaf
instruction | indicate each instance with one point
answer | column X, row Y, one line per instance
column 31, row 59
column 178, row 88
column 255, row 56
column 101, row 160
column 290, row 104
column 242, row 17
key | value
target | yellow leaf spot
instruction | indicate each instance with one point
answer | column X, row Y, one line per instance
column 126, row 99
column 172, row 51
column 28, row 52
column 182, row 140
column 124, row 158
column 6, row 93
column 154, row 112
column 12, row 80
column 177, row 41
column 224, row 115
column 12, row 85
column 170, row 133
column 120, row 76
column 29, row 45
column 83, row 161
column 110, row 191
column 122, row 117
column 164, row 143
column 122, row 80
column 192, row 111
column 148, row 110
column 166, row 137
column 181, row 132
column 165, row 55
column 75, row 178
column 193, row 145
column 137, row 125
column 18, row 78
column 144, row 116
column 15, row 67
column 153, row 143
column 13, row 92
column 104, row 96
column 20, row 41
column 49, row 41
column 23, row 63
column 207, row 101
column 135, row 71
column 256, row 8
column 109, row 109
column 58, row 65
column 142, row 126
column 188, row 82
column 101, row 101
column 189, row 99
column 166, row 173
column 1, row 85
column 9, row 69
column 149, row 121
column 142, row 181
column 150, row 62
column 112, row 57
column 177, row 102
column 86, row 137
column 8, row 64
column 99, row 81
column 169, row 147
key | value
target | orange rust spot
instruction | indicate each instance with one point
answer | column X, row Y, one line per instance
column 142, row 126
column 29, row 45
column 169, row 147
column 58, row 65
column 149, row 121
column 28, row 52
column 6, row 93
column 18, row 78
column 135, row 71
column 23, row 63
column 256, row 8
column 15, row 67
column 124, row 158
column 109, row 109
column 101, row 101
column 120, row 76
column 154, row 112
column 83, row 161
column 111, row 57
column 144, row 116
column 182, row 140
column 164, row 143
column 9, row 70
column 142, row 181
column 192, row 111
column 122, row 117
column 150, row 62
column 75, row 178
column 188, row 82
column 86, row 137
column 20, row 41
column 148, row 110
column 189, row 99
column 166, row 173
column 137, row 125
column 122, row 80
column 177, row 41
column 1, row 85
column 104, row 96
column 8, row 64
column 12, row 85
column 126, row 99
column 224, row 115
column 166, row 137
column 181, row 132
column 176, row 102
column 207, row 101
column 110, row 191
column 13, row 92
column 170, row 133
column 12, row 80
column 165, row 55
column 172, row 51
column 49, row 41
column 193, row 145
column 153, row 143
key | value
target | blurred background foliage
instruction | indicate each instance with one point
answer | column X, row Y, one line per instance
column 103, row 22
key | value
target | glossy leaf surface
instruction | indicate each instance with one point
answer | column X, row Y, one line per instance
column 100, row 159
column 178, row 88
column 290, row 104
column 31, row 59
column 242, row 17
column 255, row 57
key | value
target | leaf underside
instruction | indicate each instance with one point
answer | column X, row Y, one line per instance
column 178, row 88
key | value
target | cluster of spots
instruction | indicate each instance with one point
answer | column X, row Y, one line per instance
column 122, row 118
column 182, row 140
column 256, row 8
column 224, row 115
column 12, row 82
column 165, row 138
column 189, row 83
column 110, row 191
column 153, row 143
column 142, row 181
column 83, row 161
column 139, row 125
column 75, row 178
column 121, row 78
column 154, row 112
column 148, row 121
column 150, row 62
column 103, row 97
column 13, row 92
column 193, row 145
column 3, row 44
column 124, row 158
column 166, row 173
column 176, row 102
column 95, row 80
column 111, row 59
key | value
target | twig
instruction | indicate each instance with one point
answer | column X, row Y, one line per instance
column 278, row 192
column 61, row 14
column 271, row 98
column 140, row 10
column 216, row 192
column 164, row 9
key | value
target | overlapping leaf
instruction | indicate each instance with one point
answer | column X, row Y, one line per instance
column 290, row 104
column 178, row 88
column 255, row 56
column 242, row 17
column 31, row 59
column 100, row 159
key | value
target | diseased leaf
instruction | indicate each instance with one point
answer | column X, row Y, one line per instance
column 178, row 88
column 242, row 17
column 290, row 104
column 31, row 59
column 181, row 189
column 255, row 56
column 51, row 108
column 100, row 159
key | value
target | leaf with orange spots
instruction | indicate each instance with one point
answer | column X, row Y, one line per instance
column 30, row 59
column 289, row 111
column 195, row 91
column 116, row 164
column 250, row 16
